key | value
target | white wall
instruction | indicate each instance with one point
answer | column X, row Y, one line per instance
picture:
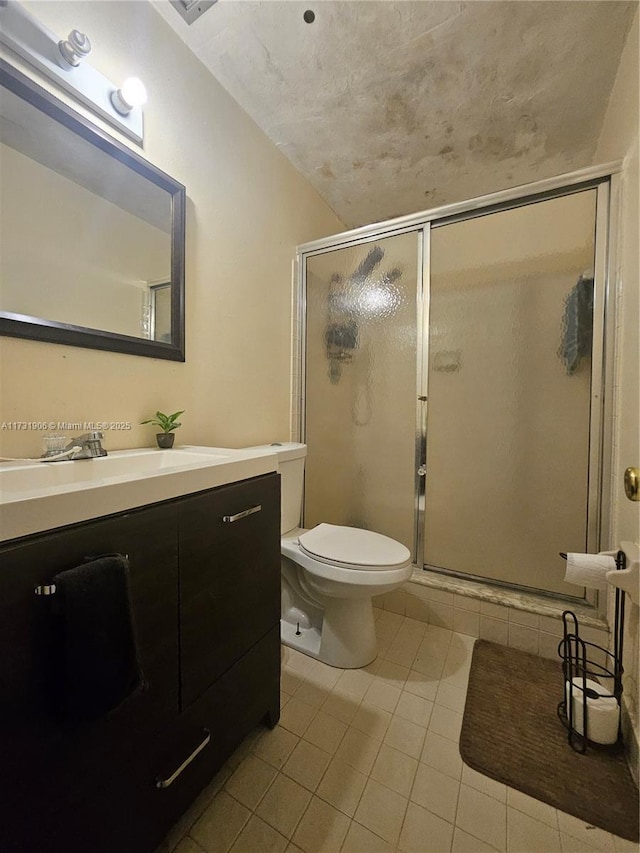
column 247, row 209
column 619, row 139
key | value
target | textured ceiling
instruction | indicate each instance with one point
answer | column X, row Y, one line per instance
column 393, row 107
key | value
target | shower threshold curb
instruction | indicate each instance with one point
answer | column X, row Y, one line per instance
column 529, row 602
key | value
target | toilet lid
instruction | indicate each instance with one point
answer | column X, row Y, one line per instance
column 353, row 546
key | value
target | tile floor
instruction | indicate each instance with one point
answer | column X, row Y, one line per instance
column 367, row 761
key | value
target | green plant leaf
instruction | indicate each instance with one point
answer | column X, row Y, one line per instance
column 167, row 423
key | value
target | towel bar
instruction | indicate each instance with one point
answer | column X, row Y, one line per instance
column 50, row 588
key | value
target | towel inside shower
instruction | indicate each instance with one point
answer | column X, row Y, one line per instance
column 577, row 325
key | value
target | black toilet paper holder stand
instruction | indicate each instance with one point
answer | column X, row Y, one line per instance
column 582, row 659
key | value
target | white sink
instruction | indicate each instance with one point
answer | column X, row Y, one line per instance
column 29, row 476
column 37, row 496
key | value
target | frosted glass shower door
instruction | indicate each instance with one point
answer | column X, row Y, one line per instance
column 509, row 392
column 360, row 378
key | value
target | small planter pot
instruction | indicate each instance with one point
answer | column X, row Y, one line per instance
column 165, row 440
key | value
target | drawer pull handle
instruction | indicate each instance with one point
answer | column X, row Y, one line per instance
column 239, row 515
column 164, row 783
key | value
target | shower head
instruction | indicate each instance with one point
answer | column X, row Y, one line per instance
column 392, row 275
column 367, row 266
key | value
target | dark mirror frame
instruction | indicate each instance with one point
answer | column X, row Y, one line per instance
column 39, row 329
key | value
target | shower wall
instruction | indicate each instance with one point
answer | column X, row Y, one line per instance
column 360, row 386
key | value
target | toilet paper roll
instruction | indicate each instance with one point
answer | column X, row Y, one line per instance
column 603, row 712
column 589, row 570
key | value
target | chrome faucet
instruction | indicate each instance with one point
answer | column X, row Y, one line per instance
column 87, row 446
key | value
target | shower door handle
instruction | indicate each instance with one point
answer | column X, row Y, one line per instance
column 422, row 471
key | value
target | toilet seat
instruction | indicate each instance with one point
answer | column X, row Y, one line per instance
column 353, row 548
column 357, row 577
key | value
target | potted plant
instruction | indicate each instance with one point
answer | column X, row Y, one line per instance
column 167, row 424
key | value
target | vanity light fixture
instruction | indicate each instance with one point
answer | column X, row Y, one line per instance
column 132, row 94
column 75, row 48
column 64, row 62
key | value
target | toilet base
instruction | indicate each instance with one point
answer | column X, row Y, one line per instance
column 345, row 639
column 307, row 641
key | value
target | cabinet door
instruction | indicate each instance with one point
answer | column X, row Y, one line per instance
column 69, row 787
column 229, row 577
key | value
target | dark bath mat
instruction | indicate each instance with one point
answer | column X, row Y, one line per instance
column 511, row 732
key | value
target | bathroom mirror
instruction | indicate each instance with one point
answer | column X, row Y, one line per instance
column 92, row 245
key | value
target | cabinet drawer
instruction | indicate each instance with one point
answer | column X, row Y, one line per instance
column 229, row 577
column 229, row 710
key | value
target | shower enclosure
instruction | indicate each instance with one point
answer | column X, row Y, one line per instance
column 453, row 381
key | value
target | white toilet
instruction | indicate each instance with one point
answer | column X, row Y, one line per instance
column 329, row 575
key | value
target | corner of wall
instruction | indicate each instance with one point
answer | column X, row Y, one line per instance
column 619, row 140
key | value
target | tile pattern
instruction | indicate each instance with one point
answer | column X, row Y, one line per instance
column 367, row 760
column 524, row 621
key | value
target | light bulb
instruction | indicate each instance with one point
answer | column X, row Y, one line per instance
column 74, row 49
column 132, row 94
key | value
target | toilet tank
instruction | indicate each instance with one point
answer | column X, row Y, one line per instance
column 291, row 457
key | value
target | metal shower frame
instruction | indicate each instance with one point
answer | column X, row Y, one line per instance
column 605, row 179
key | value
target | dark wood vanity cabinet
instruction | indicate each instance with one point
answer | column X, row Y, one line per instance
column 205, row 597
